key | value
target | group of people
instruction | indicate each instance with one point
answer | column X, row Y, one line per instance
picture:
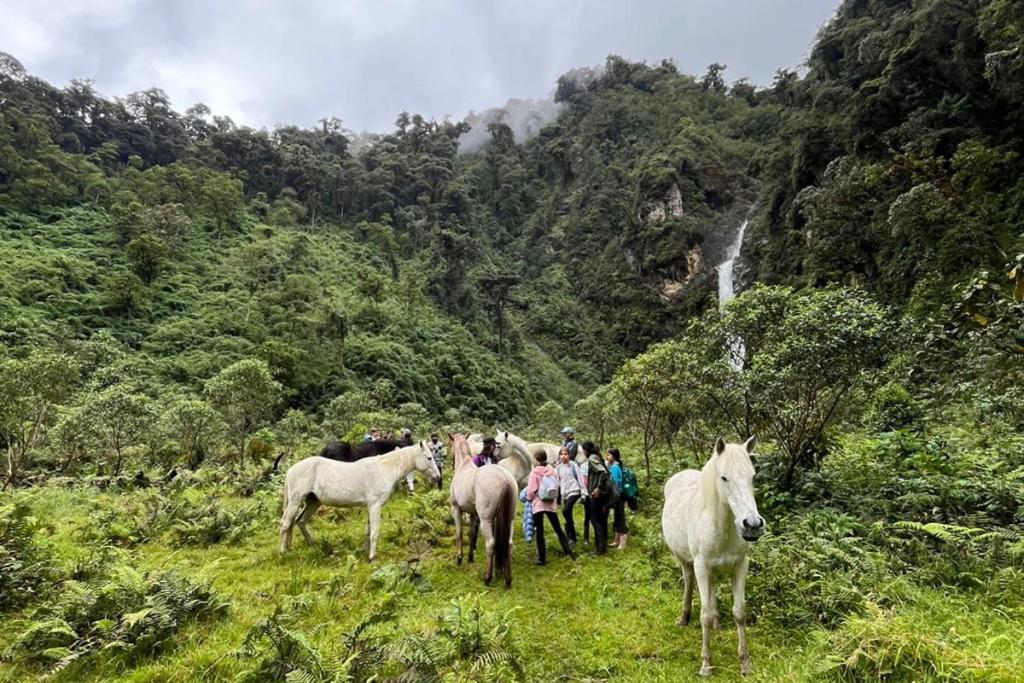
column 599, row 485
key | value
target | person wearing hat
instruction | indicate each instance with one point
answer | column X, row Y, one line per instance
column 570, row 442
column 487, row 456
column 436, row 447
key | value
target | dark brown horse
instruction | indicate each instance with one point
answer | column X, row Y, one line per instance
column 347, row 452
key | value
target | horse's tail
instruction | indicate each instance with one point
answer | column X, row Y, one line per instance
column 277, row 461
column 503, row 528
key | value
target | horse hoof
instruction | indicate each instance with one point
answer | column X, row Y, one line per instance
column 487, row 581
column 683, row 620
column 706, row 670
column 745, row 668
column 458, row 560
column 508, row 583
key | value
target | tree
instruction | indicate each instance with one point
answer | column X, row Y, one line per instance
column 245, row 395
column 147, row 255
column 596, row 414
column 30, row 388
column 295, row 430
column 193, row 423
column 549, row 417
column 340, row 414
column 805, row 354
column 122, row 416
column 125, row 293
column 641, row 387
column 713, row 79
column 496, row 286
column 223, row 197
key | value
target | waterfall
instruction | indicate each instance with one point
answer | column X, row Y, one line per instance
column 726, row 282
column 727, row 291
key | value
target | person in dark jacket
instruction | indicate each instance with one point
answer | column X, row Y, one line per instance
column 599, row 486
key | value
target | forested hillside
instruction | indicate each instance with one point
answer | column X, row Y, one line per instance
column 182, row 298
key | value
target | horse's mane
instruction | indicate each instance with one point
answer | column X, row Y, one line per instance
column 461, row 450
column 731, row 462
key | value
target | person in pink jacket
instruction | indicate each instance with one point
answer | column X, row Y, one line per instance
column 542, row 492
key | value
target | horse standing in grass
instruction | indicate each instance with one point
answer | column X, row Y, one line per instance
column 317, row 481
column 515, row 456
column 488, row 494
column 709, row 519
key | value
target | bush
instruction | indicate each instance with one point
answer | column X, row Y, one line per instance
column 130, row 614
column 23, row 569
column 211, row 523
column 893, row 408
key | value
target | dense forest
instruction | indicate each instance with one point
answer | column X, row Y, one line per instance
column 183, row 294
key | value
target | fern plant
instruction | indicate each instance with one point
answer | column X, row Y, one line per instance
column 129, row 615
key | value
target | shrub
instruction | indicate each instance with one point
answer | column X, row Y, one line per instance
column 892, row 408
column 131, row 614
column 211, row 523
column 23, row 569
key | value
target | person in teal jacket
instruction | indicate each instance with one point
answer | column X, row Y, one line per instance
column 614, row 460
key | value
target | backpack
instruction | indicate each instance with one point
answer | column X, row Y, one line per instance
column 629, row 486
column 547, row 490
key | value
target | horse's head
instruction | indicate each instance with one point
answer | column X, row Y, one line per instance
column 461, row 450
column 734, row 478
column 507, row 445
column 425, row 462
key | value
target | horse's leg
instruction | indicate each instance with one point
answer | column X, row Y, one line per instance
column 488, row 530
column 366, row 543
column 739, row 614
column 457, row 516
column 706, row 588
column 307, row 514
column 688, row 580
column 474, row 531
column 291, row 511
column 374, row 529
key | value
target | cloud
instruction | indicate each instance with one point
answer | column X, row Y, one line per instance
column 264, row 62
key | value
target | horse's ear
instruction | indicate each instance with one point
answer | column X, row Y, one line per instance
column 751, row 444
column 719, row 446
column 422, row 445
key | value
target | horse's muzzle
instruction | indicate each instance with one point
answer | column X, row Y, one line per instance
column 752, row 529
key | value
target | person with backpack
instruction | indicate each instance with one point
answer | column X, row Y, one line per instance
column 602, row 496
column 615, row 470
column 571, row 488
column 542, row 492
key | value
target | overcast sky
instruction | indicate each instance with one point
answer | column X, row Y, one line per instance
column 265, row 62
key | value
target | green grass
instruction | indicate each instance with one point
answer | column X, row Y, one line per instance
column 595, row 619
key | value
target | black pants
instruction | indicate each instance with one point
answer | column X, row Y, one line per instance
column 587, row 523
column 570, row 523
column 538, row 533
column 599, row 520
column 619, row 521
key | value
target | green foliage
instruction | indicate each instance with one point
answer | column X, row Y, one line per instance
column 128, row 615
column 211, row 522
column 245, row 395
column 23, row 568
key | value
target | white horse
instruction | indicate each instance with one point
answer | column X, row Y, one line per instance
column 514, row 455
column 317, row 481
column 709, row 519
column 488, row 494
